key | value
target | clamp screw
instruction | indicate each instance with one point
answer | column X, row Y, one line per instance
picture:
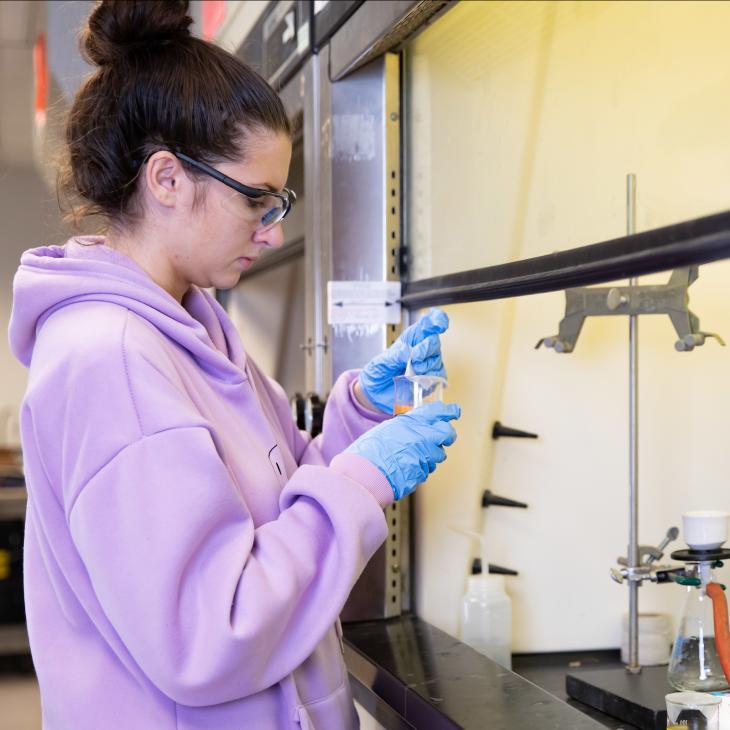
column 615, row 299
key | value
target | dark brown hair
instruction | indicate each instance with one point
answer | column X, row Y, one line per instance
column 156, row 87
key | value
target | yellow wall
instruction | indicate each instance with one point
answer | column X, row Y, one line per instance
column 524, row 120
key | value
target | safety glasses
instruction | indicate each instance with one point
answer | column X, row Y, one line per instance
column 260, row 207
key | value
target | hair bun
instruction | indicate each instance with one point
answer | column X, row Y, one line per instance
column 117, row 27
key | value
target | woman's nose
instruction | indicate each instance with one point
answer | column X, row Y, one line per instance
column 271, row 238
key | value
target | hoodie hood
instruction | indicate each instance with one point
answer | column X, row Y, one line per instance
column 86, row 270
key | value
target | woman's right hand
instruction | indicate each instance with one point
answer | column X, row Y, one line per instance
column 408, row 447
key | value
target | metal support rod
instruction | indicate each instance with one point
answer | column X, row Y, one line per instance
column 633, row 552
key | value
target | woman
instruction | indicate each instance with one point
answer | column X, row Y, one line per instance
column 188, row 550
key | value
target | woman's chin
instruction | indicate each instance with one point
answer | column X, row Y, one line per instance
column 227, row 282
column 229, row 277
column 221, row 280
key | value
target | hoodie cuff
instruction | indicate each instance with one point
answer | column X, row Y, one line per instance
column 377, row 416
column 365, row 473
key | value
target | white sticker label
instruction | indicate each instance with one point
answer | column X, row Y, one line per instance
column 363, row 302
column 303, row 38
column 288, row 33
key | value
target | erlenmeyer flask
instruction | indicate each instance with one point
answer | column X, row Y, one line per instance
column 694, row 664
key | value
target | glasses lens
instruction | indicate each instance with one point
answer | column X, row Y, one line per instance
column 267, row 210
column 274, row 215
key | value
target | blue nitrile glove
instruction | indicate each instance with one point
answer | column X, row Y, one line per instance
column 421, row 343
column 408, row 447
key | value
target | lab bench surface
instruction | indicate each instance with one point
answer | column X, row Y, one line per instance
column 433, row 681
column 549, row 672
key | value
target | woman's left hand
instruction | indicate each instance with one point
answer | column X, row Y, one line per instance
column 421, row 343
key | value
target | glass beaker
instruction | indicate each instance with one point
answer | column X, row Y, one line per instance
column 412, row 391
column 695, row 664
column 693, row 711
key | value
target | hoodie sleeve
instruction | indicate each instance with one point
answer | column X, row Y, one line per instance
column 211, row 608
column 344, row 420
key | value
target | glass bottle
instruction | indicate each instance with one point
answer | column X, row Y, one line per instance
column 695, row 664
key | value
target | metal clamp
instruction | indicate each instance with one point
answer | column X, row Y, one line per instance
column 557, row 343
column 638, row 575
column 647, row 554
column 689, row 342
column 671, row 299
column 646, row 570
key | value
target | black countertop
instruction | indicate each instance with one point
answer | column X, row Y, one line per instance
column 430, row 681
column 549, row 671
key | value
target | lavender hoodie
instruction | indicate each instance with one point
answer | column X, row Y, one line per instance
column 187, row 549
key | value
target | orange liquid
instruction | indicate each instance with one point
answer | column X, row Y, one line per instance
column 402, row 409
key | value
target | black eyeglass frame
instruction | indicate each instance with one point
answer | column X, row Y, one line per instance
column 288, row 197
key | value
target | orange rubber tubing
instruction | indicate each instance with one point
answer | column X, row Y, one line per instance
column 722, row 631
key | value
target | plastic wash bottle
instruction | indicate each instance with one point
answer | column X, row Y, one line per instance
column 486, row 612
column 486, row 618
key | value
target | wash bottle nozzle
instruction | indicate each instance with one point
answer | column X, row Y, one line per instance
column 479, row 538
column 486, row 611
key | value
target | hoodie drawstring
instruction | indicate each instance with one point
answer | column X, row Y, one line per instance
column 299, row 714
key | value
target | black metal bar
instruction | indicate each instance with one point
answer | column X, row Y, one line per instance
column 697, row 241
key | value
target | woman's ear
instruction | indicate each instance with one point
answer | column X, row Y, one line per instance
column 166, row 180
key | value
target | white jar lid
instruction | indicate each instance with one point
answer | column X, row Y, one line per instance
column 693, row 700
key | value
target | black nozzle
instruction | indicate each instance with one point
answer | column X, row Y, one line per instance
column 476, row 568
column 489, row 499
column 499, row 431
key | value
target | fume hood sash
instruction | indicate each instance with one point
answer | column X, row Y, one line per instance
column 378, row 27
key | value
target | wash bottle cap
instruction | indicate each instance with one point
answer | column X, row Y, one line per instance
column 485, row 584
